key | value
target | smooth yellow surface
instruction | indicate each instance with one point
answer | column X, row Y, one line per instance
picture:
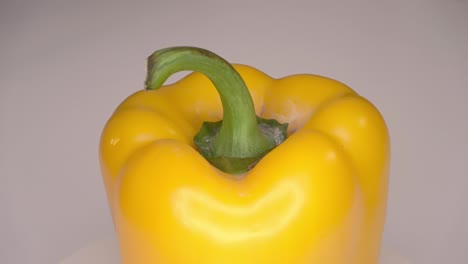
column 319, row 197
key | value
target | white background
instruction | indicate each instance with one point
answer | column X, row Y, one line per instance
column 65, row 65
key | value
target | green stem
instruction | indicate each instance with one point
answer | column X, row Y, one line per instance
column 236, row 143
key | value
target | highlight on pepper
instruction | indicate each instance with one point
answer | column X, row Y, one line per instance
column 231, row 165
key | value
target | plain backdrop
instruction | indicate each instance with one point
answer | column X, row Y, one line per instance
column 65, row 66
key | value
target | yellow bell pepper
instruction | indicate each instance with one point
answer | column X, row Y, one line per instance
column 296, row 171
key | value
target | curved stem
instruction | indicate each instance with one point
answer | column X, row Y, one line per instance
column 238, row 136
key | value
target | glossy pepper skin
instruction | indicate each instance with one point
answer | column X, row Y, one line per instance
column 318, row 197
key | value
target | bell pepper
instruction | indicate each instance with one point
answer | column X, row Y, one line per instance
column 230, row 165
